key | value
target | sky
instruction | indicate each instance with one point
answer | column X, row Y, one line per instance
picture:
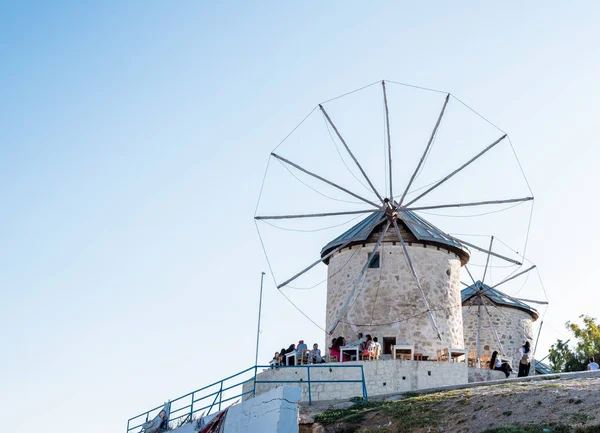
column 133, row 143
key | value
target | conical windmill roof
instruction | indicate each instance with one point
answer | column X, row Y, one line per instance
column 360, row 232
column 497, row 297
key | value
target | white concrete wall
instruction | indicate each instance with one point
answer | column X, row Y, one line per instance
column 274, row 411
column 390, row 295
column 484, row 375
column 382, row 377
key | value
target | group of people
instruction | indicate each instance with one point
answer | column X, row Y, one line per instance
column 524, row 361
column 366, row 345
column 314, row 355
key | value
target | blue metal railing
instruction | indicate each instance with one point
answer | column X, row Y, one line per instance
column 185, row 407
column 308, row 382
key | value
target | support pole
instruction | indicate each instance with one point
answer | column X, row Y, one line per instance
column 387, row 123
column 487, row 262
column 493, row 329
column 316, row 262
column 262, row 276
column 414, row 274
column 322, row 179
column 538, row 337
column 477, row 361
column 455, row 239
column 435, row 128
column 514, row 276
column 457, row 170
column 350, row 152
column 312, row 215
column 470, row 275
column 532, row 301
column 360, row 277
column 475, row 203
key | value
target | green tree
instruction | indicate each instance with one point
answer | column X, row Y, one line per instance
column 588, row 337
column 563, row 359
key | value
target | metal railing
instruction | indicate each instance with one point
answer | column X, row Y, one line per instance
column 212, row 397
column 308, row 382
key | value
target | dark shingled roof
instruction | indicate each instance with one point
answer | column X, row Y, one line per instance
column 361, row 232
column 497, row 297
column 541, row 368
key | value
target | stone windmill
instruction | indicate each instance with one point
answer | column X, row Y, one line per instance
column 493, row 320
column 394, row 274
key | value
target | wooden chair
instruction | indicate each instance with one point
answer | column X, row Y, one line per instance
column 377, row 354
column 304, row 358
column 445, row 354
column 472, row 358
column 418, row 357
column 442, row 356
column 484, row 360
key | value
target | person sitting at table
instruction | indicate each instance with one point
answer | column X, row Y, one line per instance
column 315, row 355
column 364, row 347
column 282, row 356
column 301, row 347
column 375, row 348
column 361, row 339
column 275, row 362
column 497, row 364
column 335, row 348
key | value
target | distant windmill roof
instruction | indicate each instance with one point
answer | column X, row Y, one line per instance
column 497, row 297
column 361, row 232
column 541, row 368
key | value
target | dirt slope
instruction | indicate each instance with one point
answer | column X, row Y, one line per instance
column 553, row 405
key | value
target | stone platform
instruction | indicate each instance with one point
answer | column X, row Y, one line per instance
column 382, row 377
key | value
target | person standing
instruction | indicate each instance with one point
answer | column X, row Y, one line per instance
column 592, row 365
column 525, row 360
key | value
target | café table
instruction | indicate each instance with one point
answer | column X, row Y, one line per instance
column 403, row 349
column 454, row 354
column 352, row 349
column 289, row 356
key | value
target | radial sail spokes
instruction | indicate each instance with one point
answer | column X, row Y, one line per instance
column 385, row 206
column 350, row 152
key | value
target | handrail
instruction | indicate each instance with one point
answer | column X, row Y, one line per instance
column 190, row 409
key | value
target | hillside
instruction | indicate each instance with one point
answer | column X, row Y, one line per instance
column 556, row 403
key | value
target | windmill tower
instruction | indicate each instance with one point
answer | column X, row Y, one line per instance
column 394, row 274
column 387, row 304
column 493, row 320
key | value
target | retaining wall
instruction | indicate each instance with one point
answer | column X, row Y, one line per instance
column 382, row 377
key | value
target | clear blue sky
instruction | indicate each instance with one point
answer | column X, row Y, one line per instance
column 133, row 140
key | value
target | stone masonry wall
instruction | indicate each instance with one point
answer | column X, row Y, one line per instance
column 513, row 326
column 382, row 377
column 390, row 294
